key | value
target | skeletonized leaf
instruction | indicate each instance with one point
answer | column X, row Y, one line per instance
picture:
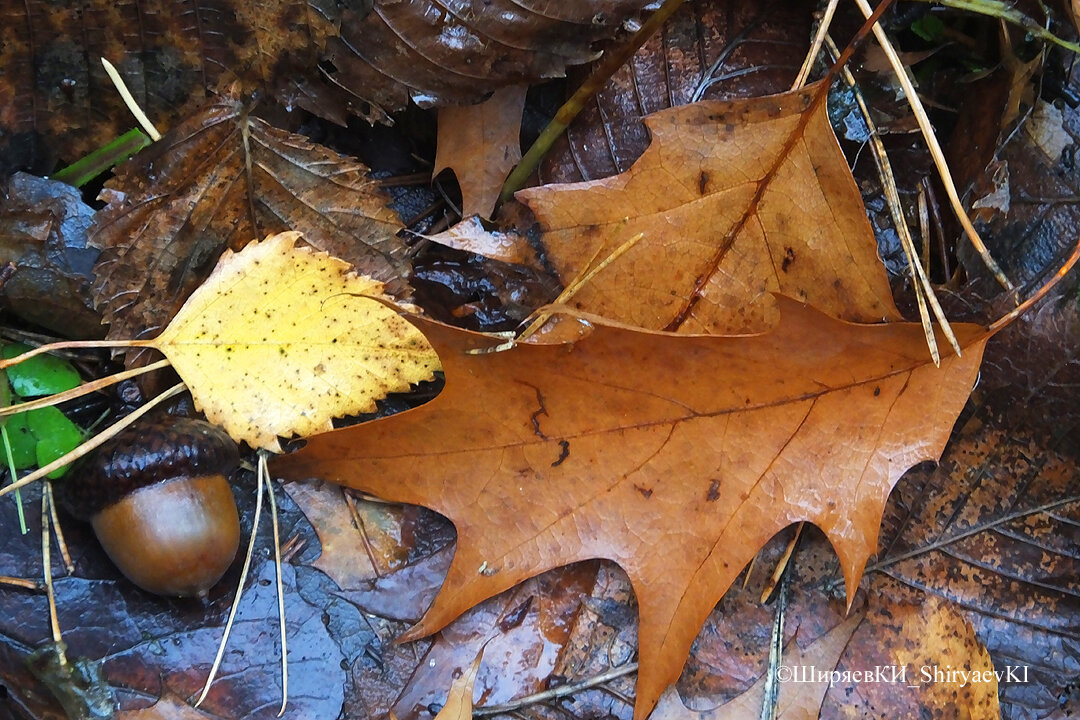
column 280, row 339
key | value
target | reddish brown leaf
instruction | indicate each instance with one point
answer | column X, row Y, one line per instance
column 480, row 144
column 174, row 208
column 734, row 201
column 677, row 457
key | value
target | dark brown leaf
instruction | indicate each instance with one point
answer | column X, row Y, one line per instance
column 219, row 180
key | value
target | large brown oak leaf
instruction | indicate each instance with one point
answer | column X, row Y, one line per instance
column 675, row 456
column 733, row 201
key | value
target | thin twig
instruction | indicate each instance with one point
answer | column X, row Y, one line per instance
column 781, row 565
column 1039, row 294
column 932, row 144
column 72, row 344
column 579, row 282
column 24, row 583
column 46, row 565
column 771, row 698
column 558, row 692
column 611, row 62
column 815, row 46
column 84, row 389
column 60, row 543
column 265, row 472
column 924, row 290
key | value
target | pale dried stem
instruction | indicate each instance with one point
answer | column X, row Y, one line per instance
column 781, row 565
column 239, row 591
column 129, row 100
column 265, row 471
column 557, row 692
column 95, row 441
column 924, row 290
column 815, row 46
column 70, row 344
column 61, row 544
column 935, row 148
column 1039, row 294
column 46, row 565
column 579, row 282
column 84, row 389
column 23, row 583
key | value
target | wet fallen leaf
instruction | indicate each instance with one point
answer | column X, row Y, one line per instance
column 366, row 58
column 705, row 51
column 993, row 530
column 169, row 707
column 43, row 226
column 459, row 703
column 280, row 340
column 177, row 205
column 438, row 54
column 796, row 701
column 644, row 448
column 734, row 201
column 480, row 144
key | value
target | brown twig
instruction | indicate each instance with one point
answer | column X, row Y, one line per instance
column 557, row 692
column 611, row 62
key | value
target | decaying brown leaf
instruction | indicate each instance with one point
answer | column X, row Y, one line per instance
column 363, row 58
column 480, row 144
column 734, row 201
column 676, row 457
column 214, row 182
column 796, row 701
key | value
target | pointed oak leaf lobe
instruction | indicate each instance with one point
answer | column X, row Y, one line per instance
column 675, row 456
column 734, row 200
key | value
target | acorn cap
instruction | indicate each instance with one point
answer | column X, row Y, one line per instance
column 143, row 455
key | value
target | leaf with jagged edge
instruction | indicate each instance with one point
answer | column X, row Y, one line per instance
column 281, row 339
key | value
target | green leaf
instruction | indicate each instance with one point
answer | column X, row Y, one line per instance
column 929, row 28
column 56, row 436
column 40, row 375
column 23, row 442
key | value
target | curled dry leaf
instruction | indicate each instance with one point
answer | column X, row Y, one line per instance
column 214, row 182
column 676, row 457
column 280, row 340
column 734, row 201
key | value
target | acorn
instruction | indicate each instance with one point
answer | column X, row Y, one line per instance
column 160, row 504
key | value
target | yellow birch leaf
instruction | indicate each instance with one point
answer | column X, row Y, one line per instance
column 281, row 339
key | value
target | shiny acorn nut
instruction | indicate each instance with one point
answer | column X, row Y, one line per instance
column 160, row 504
